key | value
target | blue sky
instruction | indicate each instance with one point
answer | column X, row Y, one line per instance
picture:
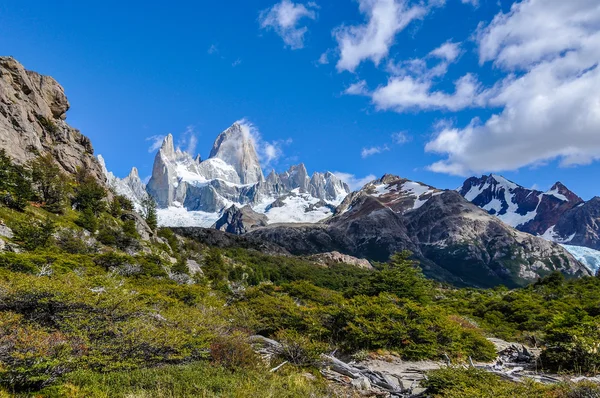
column 513, row 91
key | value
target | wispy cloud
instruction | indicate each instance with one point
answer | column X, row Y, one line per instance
column 269, row 152
column 355, row 183
column 401, row 138
column 156, row 142
column 374, row 150
column 188, row 140
column 284, row 18
column 213, row 49
column 236, row 62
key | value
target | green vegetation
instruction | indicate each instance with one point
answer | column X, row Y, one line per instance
column 90, row 309
column 458, row 382
column 562, row 316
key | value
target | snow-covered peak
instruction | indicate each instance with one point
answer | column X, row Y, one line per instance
column 563, row 193
column 399, row 194
column 235, row 146
column 131, row 186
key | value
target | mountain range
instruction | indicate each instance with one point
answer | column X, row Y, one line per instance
column 455, row 240
column 484, row 234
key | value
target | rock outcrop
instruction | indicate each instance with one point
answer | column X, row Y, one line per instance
column 33, row 110
column 339, row 258
column 240, row 220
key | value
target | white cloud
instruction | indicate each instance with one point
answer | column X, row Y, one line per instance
column 156, row 142
column 372, row 40
column 374, row 150
column 188, row 140
column 268, row 153
column 358, row 88
column 401, row 138
column 324, row 58
column 550, row 107
column 406, row 93
column 355, row 183
column 284, row 18
column 474, row 3
column 410, row 86
column 448, row 51
column 236, row 62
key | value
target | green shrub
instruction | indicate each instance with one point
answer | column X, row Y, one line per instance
column 573, row 343
column 35, row 234
column 88, row 220
column 50, row 183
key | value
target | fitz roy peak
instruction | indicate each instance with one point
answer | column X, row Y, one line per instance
column 234, row 146
column 233, row 176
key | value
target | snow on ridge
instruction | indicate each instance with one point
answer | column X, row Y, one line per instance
column 553, row 236
column 554, row 192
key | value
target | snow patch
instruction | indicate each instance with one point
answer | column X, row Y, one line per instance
column 181, row 217
column 553, row 236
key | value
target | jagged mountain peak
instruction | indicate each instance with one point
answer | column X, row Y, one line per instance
column 235, row 146
column 560, row 191
column 134, row 173
column 168, row 147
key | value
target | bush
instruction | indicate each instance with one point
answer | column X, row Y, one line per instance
column 89, row 195
column 87, row 219
column 30, row 358
column 233, row 352
column 573, row 343
column 72, row 242
column 298, row 349
column 35, row 234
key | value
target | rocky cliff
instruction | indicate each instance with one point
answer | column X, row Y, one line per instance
column 33, row 112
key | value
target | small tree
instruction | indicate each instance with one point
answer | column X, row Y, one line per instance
column 400, row 276
column 149, row 212
column 51, row 184
column 88, row 220
column 89, row 195
column 15, row 183
column 34, row 234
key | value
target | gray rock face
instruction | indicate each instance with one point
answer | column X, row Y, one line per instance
column 296, row 177
column 580, row 226
column 235, row 147
column 239, row 221
column 455, row 240
column 164, row 181
column 131, row 186
column 5, row 231
column 32, row 121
